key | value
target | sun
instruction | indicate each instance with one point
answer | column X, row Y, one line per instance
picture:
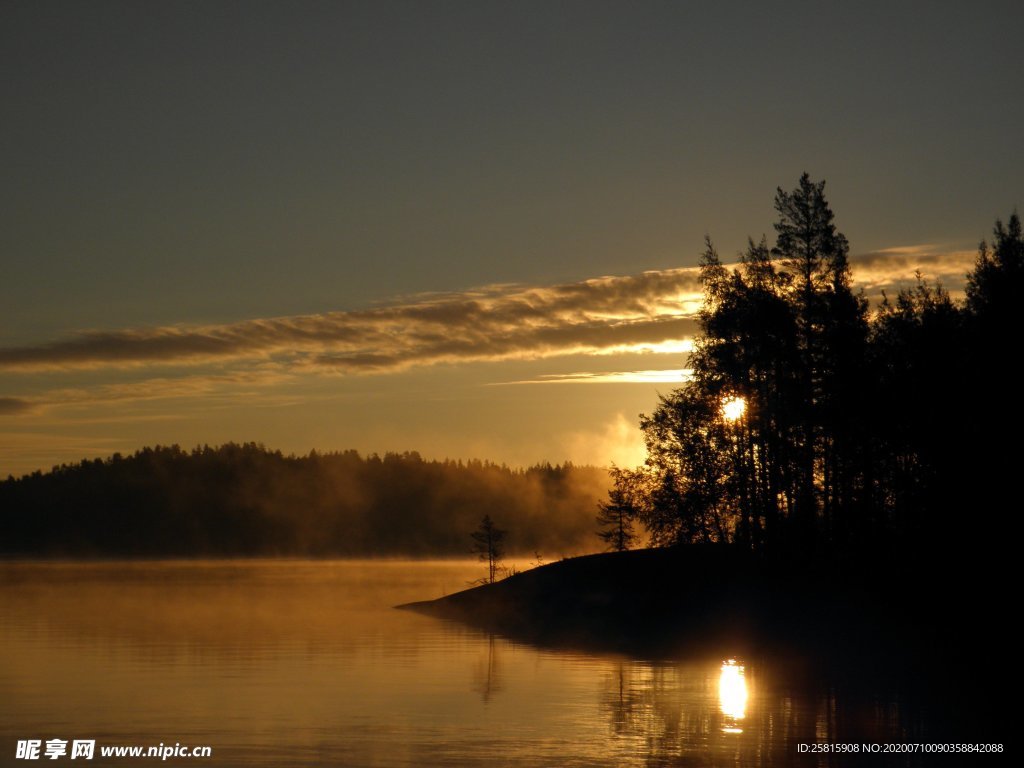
column 733, row 408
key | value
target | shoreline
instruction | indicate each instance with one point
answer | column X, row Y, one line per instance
column 668, row 603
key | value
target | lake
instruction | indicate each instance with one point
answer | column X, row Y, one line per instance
column 283, row 663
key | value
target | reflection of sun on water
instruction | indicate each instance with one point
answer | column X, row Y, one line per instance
column 732, row 695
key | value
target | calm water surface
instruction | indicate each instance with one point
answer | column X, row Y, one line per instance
column 276, row 663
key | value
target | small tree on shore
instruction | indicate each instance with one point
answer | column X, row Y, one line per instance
column 488, row 543
column 616, row 515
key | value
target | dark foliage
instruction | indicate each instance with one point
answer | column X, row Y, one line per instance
column 247, row 500
column 489, row 545
column 812, row 426
column 616, row 515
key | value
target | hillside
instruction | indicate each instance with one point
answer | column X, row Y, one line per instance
column 720, row 600
column 245, row 500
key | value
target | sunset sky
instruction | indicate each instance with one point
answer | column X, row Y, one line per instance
column 462, row 228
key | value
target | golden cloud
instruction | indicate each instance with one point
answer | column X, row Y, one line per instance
column 650, row 313
column 500, row 322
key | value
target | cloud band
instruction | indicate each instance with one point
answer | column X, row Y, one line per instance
column 503, row 322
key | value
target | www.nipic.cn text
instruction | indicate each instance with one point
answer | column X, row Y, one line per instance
column 85, row 749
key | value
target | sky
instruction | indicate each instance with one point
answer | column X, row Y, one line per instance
column 462, row 228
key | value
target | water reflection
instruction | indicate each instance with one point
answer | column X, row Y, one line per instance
column 681, row 713
column 748, row 712
column 314, row 667
column 732, row 695
column 487, row 677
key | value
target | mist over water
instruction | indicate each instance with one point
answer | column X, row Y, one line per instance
column 283, row 662
column 243, row 500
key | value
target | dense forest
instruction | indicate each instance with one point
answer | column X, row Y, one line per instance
column 817, row 426
column 243, row 500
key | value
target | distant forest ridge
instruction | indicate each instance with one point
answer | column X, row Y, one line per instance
column 246, row 500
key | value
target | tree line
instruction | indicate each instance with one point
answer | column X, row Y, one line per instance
column 243, row 500
column 815, row 424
